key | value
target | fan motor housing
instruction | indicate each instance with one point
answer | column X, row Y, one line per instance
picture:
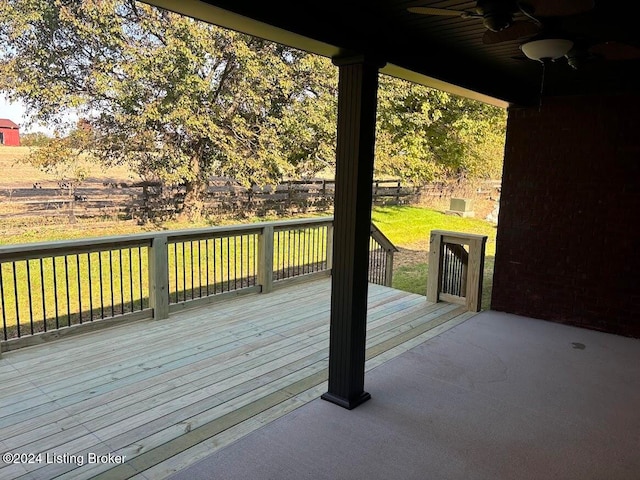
column 496, row 14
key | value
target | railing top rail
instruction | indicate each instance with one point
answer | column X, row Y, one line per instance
column 244, row 228
column 26, row 251
column 459, row 235
column 382, row 239
column 60, row 247
column 300, row 222
column 219, row 231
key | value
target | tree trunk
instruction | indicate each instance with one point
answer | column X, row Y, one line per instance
column 71, row 205
column 193, row 206
column 195, row 192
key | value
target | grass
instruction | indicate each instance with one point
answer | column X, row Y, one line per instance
column 409, row 229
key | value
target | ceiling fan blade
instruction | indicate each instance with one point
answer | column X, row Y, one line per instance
column 615, row 51
column 518, row 29
column 555, row 8
column 442, row 12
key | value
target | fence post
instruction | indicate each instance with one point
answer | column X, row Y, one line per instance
column 435, row 265
column 159, row 277
column 265, row 259
column 330, row 246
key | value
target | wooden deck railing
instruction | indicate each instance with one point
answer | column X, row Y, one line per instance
column 381, row 252
column 456, row 267
column 47, row 287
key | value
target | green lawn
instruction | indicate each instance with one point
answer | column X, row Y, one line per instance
column 409, row 229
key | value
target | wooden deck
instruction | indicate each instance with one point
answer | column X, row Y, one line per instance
column 159, row 395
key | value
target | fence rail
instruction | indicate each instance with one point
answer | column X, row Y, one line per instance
column 456, row 266
column 47, row 288
column 148, row 200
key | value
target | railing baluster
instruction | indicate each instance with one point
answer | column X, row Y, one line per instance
column 235, row 262
column 29, row 295
column 184, row 272
column 255, row 260
column 121, row 283
column 175, row 267
column 215, row 273
column 4, row 308
column 15, row 294
column 79, row 287
column 66, row 286
column 111, row 277
column 241, row 261
column 140, row 275
column 91, row 286
column 323, row 241
column 312, row 259
column 279, row 257
column 55, row 291
column 228, row 264
column 199, row 269
column 44, row 303
column 100, row 273
column 305, row 252
column 191, row 255
column 206, row 261
column 131, row 278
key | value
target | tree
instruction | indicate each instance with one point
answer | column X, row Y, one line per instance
column 425, row 133
column 177, row 99
column 180, row 100
column 34, row 139
column 62, row 157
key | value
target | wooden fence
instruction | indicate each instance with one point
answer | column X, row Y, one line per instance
column 149, row 201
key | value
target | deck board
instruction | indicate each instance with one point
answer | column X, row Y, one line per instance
column 152, row 390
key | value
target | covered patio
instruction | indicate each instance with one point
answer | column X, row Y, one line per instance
column 484, row 400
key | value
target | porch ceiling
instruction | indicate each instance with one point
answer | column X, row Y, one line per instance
column 443, row 52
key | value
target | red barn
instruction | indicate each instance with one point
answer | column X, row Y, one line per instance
column 9, row 133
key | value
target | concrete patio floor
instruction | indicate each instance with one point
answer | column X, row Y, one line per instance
column 496, row 397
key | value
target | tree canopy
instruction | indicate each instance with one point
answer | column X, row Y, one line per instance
column 425, row 133
column 180, row 100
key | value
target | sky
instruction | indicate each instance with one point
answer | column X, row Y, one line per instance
column 15, row 113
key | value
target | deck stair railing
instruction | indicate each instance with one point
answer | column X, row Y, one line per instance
column 456, row 267
column 45, row 288
column 381, row 252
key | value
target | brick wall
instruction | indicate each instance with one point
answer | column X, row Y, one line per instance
column 568, row 247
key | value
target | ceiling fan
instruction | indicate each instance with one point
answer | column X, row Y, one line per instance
column 507, row 20
column 551, row 29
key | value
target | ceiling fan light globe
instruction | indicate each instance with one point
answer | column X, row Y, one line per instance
column 546, row 49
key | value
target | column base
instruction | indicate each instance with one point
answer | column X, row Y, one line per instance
column 349, row 404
